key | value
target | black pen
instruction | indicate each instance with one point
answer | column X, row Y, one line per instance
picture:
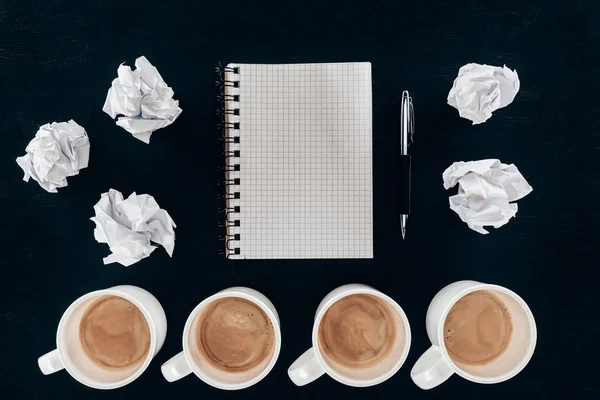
column 407, row 127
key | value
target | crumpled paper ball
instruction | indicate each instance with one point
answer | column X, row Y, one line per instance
column 57, row 151
column 142, row 98
column 486, row 192
column 479, row 90
column 130, row 226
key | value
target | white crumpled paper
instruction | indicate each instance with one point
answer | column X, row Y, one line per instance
column 57, row 151
column 480, row 90
column 485, row 190
column 143, row 98
column 128, row 226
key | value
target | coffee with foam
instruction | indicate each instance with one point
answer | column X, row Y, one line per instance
column 234, row 335
column 477, row 329
column 114, row 333
column 357, row 331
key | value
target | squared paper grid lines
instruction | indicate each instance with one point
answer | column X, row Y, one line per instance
column 305, row 161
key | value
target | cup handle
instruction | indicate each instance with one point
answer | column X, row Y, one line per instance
column 431, row 369
column 50, row 363
column 176, row 368
column 305, row 369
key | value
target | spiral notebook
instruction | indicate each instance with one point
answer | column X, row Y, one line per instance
column 298, row 146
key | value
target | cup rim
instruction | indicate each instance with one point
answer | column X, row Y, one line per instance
column 487, row 380
column 69, row 365
column 233, row 292
column 339, row 377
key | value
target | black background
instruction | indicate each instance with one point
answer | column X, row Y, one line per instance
column 57, row 59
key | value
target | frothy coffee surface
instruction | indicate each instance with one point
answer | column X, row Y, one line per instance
column 357, row 331
column 234, row 335
column 114, row 333
column 478, row 328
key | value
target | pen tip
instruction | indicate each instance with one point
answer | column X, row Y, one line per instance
column 403, row 233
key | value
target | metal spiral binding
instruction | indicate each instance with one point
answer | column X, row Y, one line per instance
column 229, row 130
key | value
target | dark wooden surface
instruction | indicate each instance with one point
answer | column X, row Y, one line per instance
column 57, row 59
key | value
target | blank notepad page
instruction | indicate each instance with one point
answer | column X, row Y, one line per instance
column 305, row 161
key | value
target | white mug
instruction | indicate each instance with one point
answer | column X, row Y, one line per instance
column 435, row 365
column 189, row 360
column 70, row 355
column 312, row 364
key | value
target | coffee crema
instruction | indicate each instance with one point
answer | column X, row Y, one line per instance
column 234, row 335
column 478, row 328
column 357, row 331
column 114, row 333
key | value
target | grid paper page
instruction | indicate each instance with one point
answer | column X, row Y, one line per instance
column 305, row 161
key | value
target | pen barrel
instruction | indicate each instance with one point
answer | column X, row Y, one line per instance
column 405, row 184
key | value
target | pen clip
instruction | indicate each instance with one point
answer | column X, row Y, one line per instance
column 411, row 116
column 407, row 117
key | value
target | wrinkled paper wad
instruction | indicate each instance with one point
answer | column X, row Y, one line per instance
column 129, row 226
column 57, row 151
column 480, row 90
column 486, row 189
column 142, row 98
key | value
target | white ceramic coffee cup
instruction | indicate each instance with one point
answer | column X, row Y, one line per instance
column 189, row 360
column 435, row 365
column 312, row 364
column 70, row 355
